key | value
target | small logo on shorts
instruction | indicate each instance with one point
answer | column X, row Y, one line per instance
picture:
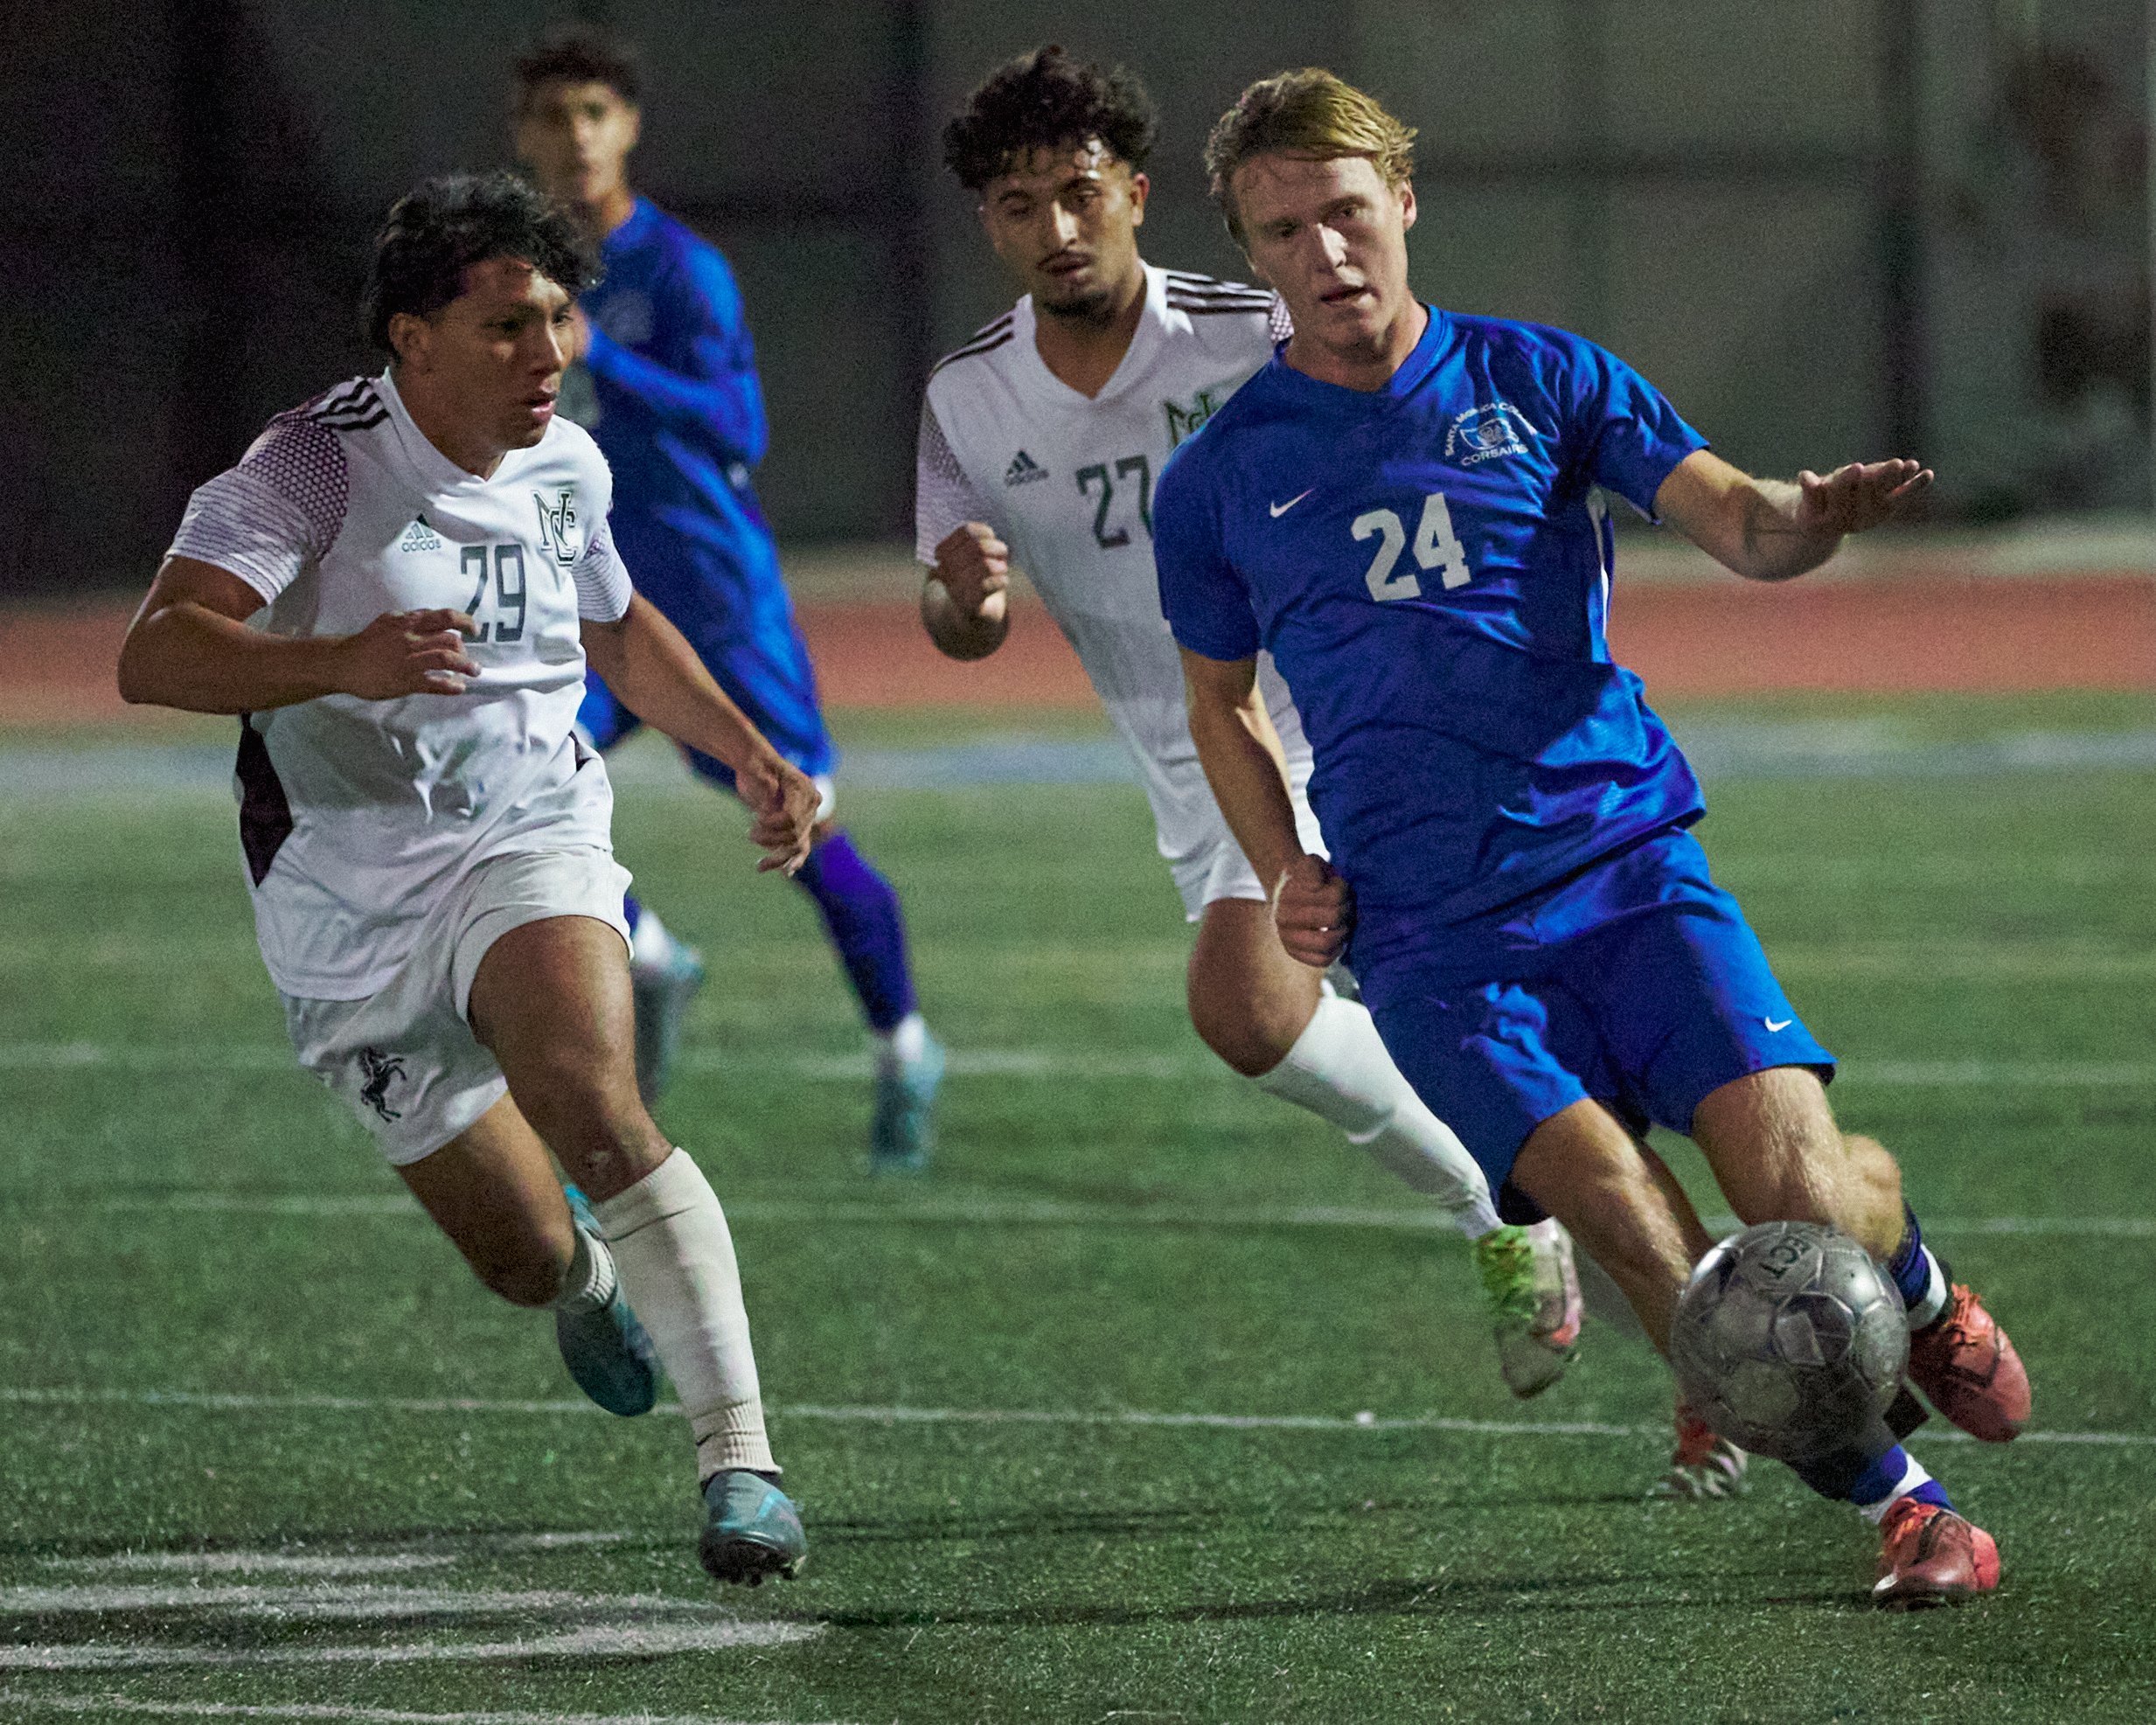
column 379, row 1069
column 1785, row 1024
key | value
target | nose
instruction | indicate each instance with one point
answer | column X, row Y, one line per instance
column 1333, row 245
column 1062, row 225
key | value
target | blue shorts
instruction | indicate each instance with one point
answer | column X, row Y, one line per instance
column 766, row 673
column 1636, row 983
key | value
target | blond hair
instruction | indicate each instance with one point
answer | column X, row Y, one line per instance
column 1306, row 112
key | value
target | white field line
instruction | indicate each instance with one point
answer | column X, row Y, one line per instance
column 102, row 1705
column 218, row 1401
column 334, row 1564
column 599, row 1642
column 1044, row 1063
column 962, row 1211
column 320, row 1603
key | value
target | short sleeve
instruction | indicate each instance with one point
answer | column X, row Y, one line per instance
column 282, row 507
column 1204, row 599
column 602, row 586
column 944, row 500
column 1629, row 438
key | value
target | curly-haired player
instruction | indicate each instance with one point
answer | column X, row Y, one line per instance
column 1040, row 441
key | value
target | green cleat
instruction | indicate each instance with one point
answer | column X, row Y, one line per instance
column 903, row 1132
column 1532, row 1289
column 751, row 1529
column 663, row 993
column 605, row 1350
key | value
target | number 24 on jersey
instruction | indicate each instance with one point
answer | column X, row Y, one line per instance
column 1436, row 546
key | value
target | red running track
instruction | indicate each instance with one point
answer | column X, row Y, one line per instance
column 1905, row 634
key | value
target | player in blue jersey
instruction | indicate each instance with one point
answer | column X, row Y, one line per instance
column 1403, row 507
column 672, row 396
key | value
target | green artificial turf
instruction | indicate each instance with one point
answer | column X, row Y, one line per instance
column 1113, row 1229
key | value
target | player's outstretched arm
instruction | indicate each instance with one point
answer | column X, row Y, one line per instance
column 965, row 601
column 658, row 675
column 189, row 646
column 1241, row 756
column 1769, row 530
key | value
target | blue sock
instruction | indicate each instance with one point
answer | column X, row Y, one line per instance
column 632, row 911
column 1909, row 1267
column 861, row 911
column 1878, row 1479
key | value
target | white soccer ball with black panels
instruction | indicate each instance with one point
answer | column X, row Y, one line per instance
column 1790, row 1340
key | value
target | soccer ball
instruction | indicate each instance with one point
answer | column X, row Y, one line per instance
column 1790, row 1340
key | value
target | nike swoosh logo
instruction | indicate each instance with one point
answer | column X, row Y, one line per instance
column 1281, row 509
column 1785, row 1024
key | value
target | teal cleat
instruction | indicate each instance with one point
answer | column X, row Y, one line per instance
column 903, row 1132
column 751, row 1529
column 663, row 993
column 607, row 1351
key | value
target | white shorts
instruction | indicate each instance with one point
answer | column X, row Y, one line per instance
column 405, row 1060
column 1209, row 865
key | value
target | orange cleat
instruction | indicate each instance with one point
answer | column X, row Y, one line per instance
column 1968, row 1369
column 1705, row 1466
column 1933, row 1556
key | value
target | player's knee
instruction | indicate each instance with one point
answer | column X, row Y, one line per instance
column 1250, row 1038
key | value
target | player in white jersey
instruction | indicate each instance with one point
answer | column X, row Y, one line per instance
column 426, row 562
column 1040, row 441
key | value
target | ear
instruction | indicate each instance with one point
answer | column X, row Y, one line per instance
column 636, row 124
column 1140, row 186
column 1406, row 205
column 410, row 338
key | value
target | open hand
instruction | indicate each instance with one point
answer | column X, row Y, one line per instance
column 1313, row 910
column 1861, row 494
column 408, row 653
column 785, row 803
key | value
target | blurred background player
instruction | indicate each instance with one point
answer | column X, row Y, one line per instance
column 668, row 386
column 426, row 840
column 1043, row 434
column 1403, row 507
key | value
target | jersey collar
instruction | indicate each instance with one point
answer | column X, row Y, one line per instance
column 435, row 471
column 1136, row 358
column 631, row 233
column 1421, row 360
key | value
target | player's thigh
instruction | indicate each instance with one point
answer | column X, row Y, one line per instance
column 1680, row 989
column 492, row 1189
column 541, row 971
column 1249, row 1000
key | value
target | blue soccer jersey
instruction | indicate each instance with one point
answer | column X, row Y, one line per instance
column 1429, row 564
column 675, row 403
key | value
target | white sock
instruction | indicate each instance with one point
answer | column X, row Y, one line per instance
column 903, row 1044
column 677, row 1265
column 1927, row 1310
column 1915, row 1476
column 1339, row 1071
column 653, row 943
column 591, row 1280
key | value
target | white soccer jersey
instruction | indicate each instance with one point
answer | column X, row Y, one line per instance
column 355, row 814
column 1067, row 482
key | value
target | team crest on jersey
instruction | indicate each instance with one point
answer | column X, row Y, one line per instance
column 1182, row 421
column 1484, row 432
column 557, row 526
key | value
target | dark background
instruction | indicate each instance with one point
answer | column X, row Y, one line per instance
column 1827, row 228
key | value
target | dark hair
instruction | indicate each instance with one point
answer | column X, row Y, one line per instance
column 440, row 229
column 581, row 53
column 1041, row 100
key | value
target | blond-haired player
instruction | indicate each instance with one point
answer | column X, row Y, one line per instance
column 1040, row 443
